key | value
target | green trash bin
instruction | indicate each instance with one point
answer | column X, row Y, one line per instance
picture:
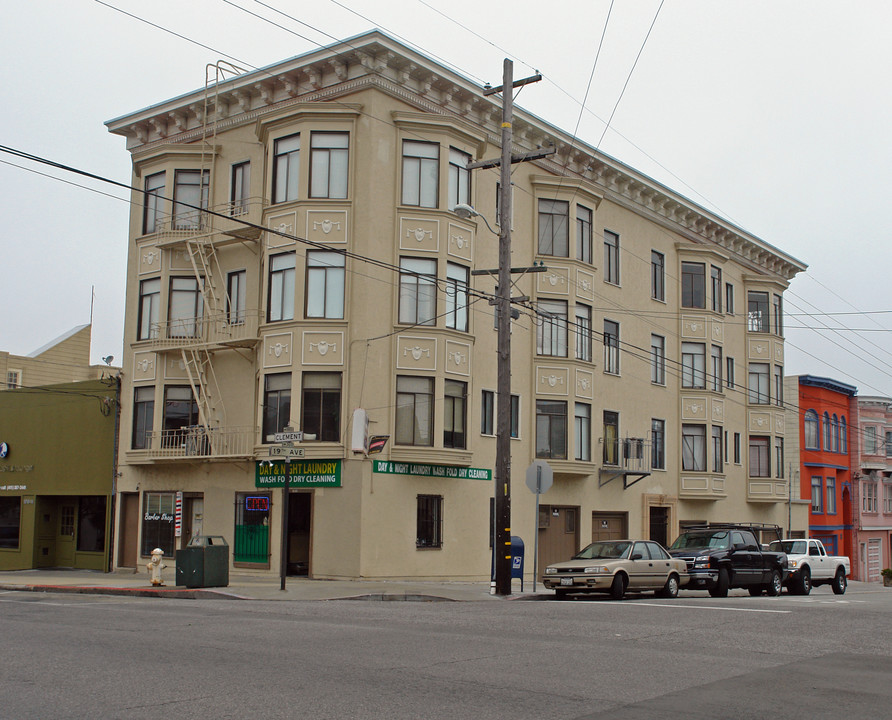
column 204, row 562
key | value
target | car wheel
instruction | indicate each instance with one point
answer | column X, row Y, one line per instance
column 803, row 584
column 755, row 590
column 721, row 585
column 618, row 588
column 775, row 585
column 839, row 582
column 670, row 589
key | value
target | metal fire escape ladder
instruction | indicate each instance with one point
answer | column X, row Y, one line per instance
column 206, row 391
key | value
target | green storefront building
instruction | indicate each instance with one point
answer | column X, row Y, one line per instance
column 57, row 471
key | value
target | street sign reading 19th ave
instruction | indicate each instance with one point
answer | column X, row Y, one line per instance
column 283, row 451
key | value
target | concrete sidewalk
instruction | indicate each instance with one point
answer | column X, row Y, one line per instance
column 251, row 587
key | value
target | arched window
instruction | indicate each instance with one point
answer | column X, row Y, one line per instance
column 843, row 438
column 826, row 431
column 811, row 430
column 835, row 438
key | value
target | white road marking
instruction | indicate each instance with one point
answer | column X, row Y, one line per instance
column 702, row 607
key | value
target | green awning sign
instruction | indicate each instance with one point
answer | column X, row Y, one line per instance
column 304, row 473
column 436, row 471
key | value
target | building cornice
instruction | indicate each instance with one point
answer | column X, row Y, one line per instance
column 376, row 60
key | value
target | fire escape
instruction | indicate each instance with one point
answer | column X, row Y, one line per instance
column 212, row 322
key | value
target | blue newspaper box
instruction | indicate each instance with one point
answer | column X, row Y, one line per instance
column 517, row 559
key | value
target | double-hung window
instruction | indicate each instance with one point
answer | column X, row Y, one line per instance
column 190, row 196
column 286, row 168
column 778, row 315
column 716, row 276
column 693, row 285
column 611, row 347
column 153, row 203
column 551, row 429
column 693, row 448
column 488, row 413
column 418, row 291
column 554, row 231
column 236, row 297
column 779, row 457
column 757, row 311
column 758, row 384
column 185, row 308
column 718, row 455
column 276, row 404
column 658, row 444
column 778, row 385
column 831, row 495
column 611, row 257
column 657, row 275
column 610, row 456
column 143, row 417
column 180, row 412
column 583, row 234
column 281, row 287
column 869, row 500
column 455, row 403
column 325, row 284
column 459, row 178
column 149, row 307
column 658, row 359
column 421, row 171
column 240, row 188
column 414, row 410
column 320, row 406
column 729, row 298
column 716, row 370
column 583, row 432
column 817, row 491
column 584, row 333
column 729, row 373
column 551, row 333
column 457, row 297
column 329, row 152
column 693, row 365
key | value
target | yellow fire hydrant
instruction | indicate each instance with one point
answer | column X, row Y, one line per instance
column 155, row 566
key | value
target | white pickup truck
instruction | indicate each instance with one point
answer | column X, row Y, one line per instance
column 810, row 566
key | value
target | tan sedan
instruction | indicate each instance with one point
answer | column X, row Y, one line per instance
column 618, row 567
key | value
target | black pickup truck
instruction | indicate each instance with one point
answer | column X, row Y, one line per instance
column 724, row 556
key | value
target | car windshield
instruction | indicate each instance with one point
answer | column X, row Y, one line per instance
column 702, row 539
column 604, row 550
column 791, row 547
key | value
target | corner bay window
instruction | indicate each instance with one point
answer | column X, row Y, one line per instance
column 583, row 432
column 457, row 297
column 551, row 330
column 693, row 365
column 320, row 406
column 143, row 417
column 325, row 284
column 551, row 429
column 583, row 234
column 190, row 196
column 454, row 414
column 459, row 178
column 757, row 311
column 414, row 410
column 276, row 404
column 760, row 457
column 149, row 308
column 488, row 414
column 421, row 168
column 554, row 231
column 329, row 153
column 281, row 287
column 418, row 291
column 693, row 285
column 180, row 414
column 611, row 347
column 693, row 448
column 154, row 203
column 286, row 168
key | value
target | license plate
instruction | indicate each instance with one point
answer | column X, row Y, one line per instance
column 566, row 581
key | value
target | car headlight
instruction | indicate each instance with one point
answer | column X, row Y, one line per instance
column 596, row 569
column 551, row 571
column 794, row 563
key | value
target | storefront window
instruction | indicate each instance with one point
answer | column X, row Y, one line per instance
column 158, row 522
column 251, row 528
column 10, row 518
column 91, row 524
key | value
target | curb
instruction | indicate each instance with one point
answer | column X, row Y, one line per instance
column 158, row 592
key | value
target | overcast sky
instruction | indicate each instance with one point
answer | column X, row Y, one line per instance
column 774, row 114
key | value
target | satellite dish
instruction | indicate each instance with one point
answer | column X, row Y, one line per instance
column 108, row 359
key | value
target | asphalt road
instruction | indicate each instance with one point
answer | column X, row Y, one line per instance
column 78, row 656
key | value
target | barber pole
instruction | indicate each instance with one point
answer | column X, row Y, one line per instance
column 178, row 516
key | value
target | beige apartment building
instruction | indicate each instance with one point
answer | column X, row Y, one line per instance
column 294, row 262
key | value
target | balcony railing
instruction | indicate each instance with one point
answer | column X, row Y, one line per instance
column 233, row 328
column 191, row 223
column 628, row 458
column 197, row 441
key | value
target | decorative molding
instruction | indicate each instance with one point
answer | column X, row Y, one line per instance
column 693, row 327
column 319, row 347
column 416, row 353
column 144, row 366
column 278, row 350
column 693, row 408
column 460, row 241
column 150, row 260
column 327, row 226
column 585, row 384
column 419, row 234
column 585, row 285
column 458, row 358
column 556, row 281
column 552, row 381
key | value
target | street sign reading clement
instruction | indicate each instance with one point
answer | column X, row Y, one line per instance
column 304, row 473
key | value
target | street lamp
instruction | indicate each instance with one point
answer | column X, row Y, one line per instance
column 465, row 212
